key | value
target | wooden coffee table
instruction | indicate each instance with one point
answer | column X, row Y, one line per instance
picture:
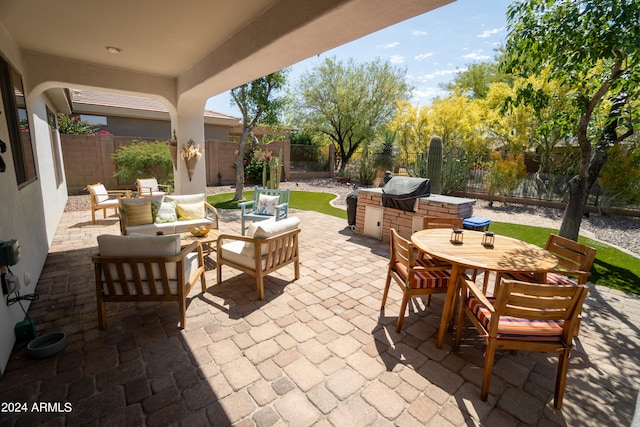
column 209, row 240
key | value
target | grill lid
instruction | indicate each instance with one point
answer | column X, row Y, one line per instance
column 402, row 192
column 406, row 186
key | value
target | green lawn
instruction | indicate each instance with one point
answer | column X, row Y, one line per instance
column 612, row 268
column 303, row 200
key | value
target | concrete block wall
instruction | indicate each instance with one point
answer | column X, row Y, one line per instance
column 402, row 221
column 88, row 160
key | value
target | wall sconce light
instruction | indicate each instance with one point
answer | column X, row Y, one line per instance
column 488, row 239
column 456, row 236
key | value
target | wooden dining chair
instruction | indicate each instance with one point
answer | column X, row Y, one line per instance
column 523, row 316
column 430, row 222
column 574, row 262
column 413, row 276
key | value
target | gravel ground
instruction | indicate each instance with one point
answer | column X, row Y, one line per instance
column 620, row 231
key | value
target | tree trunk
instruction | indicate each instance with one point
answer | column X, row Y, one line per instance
column 590, row 166
column 240, row 165
column 572, row 218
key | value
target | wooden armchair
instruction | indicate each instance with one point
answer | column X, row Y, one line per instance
column 103, row 199
column 415, row 277
column 523, row 316
column 146, row 268
column 149, row 187
column 269, row 246
column 266, row 204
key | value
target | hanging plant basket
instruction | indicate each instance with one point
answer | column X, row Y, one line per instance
column 191, row 166
column 172, row 145
column 173, row 151
column 191, row 154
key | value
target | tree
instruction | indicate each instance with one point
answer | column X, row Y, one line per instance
column 410, row 124
column 259, row 104
column 349, row 103
column 476, row 80
column 590, row 47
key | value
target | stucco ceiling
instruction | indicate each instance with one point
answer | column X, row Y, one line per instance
column 206, row 45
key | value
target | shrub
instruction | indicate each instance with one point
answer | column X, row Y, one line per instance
column 505, row 175
column 620, row 177
column 73, row 125
column 143, row 159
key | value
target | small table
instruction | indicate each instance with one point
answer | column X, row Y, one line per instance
column 209, row 239
column 506, row 254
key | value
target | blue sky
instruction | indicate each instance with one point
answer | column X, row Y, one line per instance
column 432, row 47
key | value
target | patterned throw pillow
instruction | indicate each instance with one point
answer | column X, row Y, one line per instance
column 138, row 213
column 166, row 213
column 267, row 205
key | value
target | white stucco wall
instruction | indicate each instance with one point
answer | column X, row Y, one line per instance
column 29, row 214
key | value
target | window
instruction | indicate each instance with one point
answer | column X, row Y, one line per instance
column 94, row 120
column 15, row 107
column 55, row 145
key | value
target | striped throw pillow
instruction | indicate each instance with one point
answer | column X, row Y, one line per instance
column 138, row 213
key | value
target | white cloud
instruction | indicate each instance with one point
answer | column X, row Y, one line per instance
column 427, row 94
column 476, row 56
column 440, row 73
column 423, row 56
column 418, row 33
column 489, row 33
column 396, row 59
column 391, row 45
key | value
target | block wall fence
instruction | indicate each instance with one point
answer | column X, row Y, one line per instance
column 88, row 160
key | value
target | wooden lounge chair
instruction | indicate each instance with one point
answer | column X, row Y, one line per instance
column 142, row 268
column 268, row 246
column 149, row 187
column 266, row 204
column 103, row 199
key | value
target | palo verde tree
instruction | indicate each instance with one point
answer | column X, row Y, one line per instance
column 259, row 103
column 591, row 48
column 350, row 103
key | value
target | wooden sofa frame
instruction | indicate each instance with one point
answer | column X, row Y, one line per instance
column 142, row 268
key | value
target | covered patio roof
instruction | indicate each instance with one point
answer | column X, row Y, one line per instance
column 200, row 46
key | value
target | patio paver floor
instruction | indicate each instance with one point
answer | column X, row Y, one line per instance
column 317, row 351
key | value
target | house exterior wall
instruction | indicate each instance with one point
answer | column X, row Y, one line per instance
column 30, row 213
column 157, row 129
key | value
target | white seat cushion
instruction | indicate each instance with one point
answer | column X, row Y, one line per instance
column 109, row 203
column 232, row 251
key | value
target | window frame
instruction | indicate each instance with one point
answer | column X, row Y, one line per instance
column 23, row 160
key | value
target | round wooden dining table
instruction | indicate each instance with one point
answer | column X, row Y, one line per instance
column 506, row 254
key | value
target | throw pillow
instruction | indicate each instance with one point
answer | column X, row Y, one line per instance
column 187, row 211
column 166, row 213
column 267, row 204
column 138, row 213
column 265, row 229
